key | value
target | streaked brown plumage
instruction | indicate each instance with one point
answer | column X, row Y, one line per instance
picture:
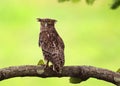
column 51, row 43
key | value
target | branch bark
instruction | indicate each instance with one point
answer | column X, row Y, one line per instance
column 82, row 72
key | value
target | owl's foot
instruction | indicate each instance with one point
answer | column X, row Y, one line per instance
column 55, row 69
column 47, row 64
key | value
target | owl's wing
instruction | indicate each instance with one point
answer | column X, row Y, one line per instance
column 57, row 40
column 61, row 43
column 50, row 41
column 39, row 41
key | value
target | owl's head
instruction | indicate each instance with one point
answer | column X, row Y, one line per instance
column 46, row 22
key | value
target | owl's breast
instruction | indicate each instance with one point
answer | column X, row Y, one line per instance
column 48, row 41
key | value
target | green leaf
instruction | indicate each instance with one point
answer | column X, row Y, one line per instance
column 75, row 80
column 75, row 1
column 118, row 70
column 41, row 62
column 116, row 4
column 63, row 0
column 90, row 2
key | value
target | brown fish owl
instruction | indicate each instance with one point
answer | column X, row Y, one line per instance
column 51, row 43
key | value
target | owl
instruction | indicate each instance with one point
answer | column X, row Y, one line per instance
column 51, row 44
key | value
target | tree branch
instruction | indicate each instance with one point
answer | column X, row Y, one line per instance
column 82, row 72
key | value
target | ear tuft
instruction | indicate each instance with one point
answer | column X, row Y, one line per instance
column 55, row 20
column 39, row 20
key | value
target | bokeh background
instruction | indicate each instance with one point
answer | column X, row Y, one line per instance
column 91, row 35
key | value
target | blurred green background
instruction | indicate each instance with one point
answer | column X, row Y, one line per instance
column 91, row 35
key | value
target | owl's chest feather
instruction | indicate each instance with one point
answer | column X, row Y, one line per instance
column 48, row 39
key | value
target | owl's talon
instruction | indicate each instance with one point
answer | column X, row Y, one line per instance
column 46, row 65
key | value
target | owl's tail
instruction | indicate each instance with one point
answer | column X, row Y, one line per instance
column 58, row 64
